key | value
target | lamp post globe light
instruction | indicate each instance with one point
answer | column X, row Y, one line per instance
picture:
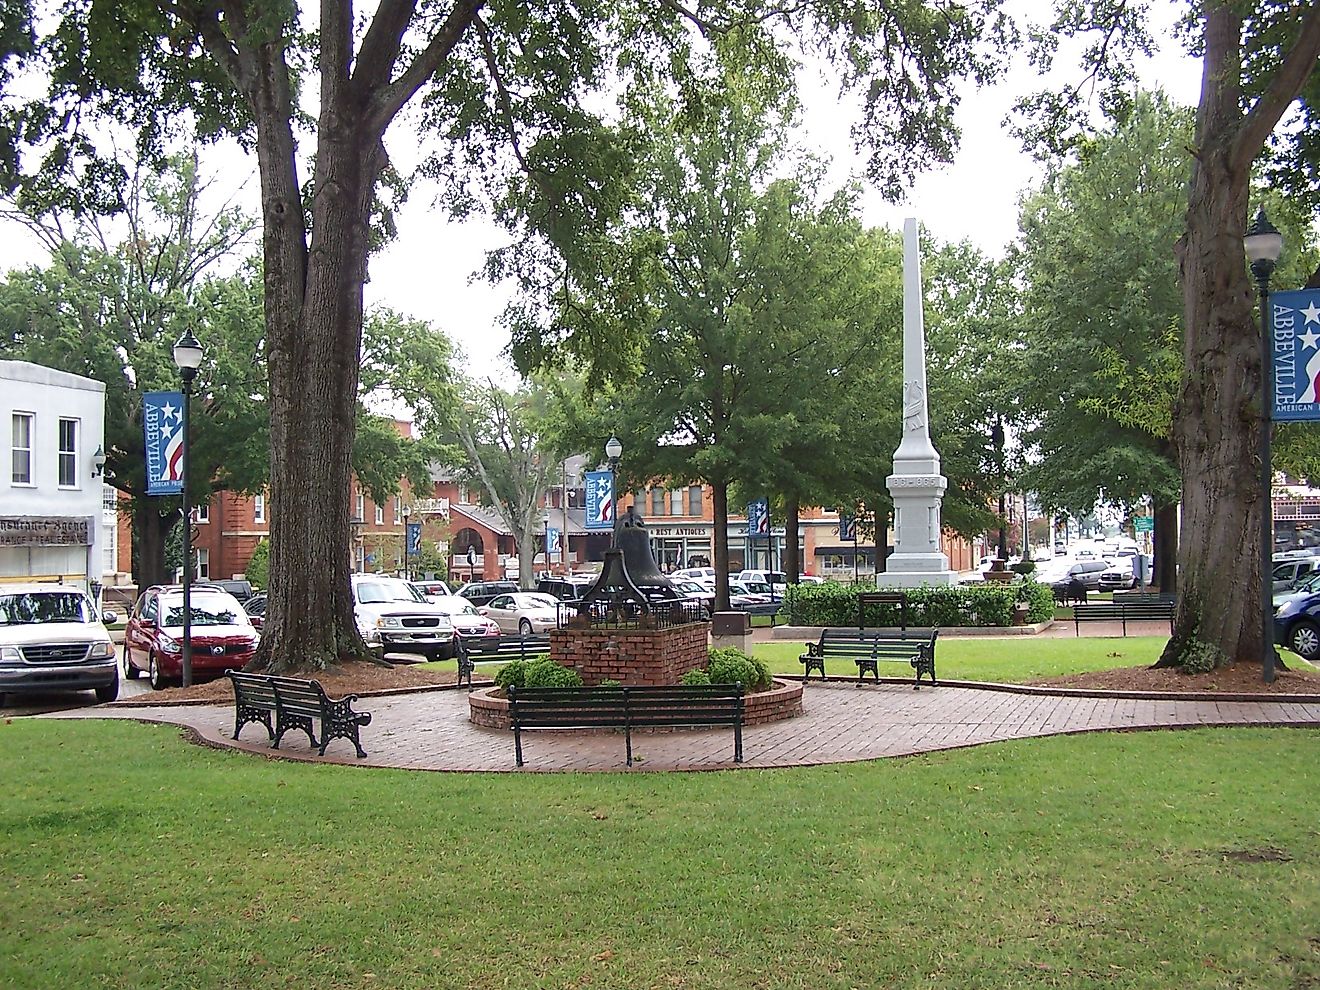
column 1264, row 244
column 406, row 513
column 187, row 358
column 614, row 450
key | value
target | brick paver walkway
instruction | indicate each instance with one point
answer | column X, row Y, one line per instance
column 842, row 723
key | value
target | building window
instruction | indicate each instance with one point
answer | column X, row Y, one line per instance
column 676, row 502
column 203, row 563
column 21, row 449
column 657, row 501
column 202, row 512
column 258, row 508
column 361, row 512
column 109, row 498
column 380, row 515
column 68, row 453
column 694, row 500
column 398, row 509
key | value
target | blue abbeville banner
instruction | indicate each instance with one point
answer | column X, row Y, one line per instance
column 1295, row 341
column 162, row 428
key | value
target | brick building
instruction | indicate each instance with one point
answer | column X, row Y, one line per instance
column 472, row 537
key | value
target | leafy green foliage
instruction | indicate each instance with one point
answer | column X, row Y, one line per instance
column 696, row 677
column 610, row 682
column 546, row 673
column 258, row 568
column 730, row 665
column 834, row 604
column 512, row 674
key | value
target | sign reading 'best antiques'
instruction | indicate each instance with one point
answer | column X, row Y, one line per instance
column 1295, row 336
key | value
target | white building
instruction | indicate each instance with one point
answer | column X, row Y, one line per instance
column 51, row 506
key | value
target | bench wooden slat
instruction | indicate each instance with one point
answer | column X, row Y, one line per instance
column 1148, row 608
column 867, row 647
column 296, row 704
column 627, row 708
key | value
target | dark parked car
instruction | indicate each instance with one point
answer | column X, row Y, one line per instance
column 222, row 634
column 238, row 587
column 484, row 592
column 566, row 589
column 1297, row 625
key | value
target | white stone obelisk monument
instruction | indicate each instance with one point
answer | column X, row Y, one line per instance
column 916, row 485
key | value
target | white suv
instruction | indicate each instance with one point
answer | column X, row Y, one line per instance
column 393, row 615
column 51, row 639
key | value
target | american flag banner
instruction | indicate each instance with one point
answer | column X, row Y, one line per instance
column 162, row 427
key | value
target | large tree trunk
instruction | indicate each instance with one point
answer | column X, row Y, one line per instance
column 1217, row 419
column 1166, row 548
column 719, row 502
column 151, row 530
column 314, row 321
column 792, row 549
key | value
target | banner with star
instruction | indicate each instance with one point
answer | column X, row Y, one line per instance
column 162, row 425
column 1295, row 336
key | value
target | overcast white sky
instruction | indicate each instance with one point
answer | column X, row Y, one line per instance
column 426, row 272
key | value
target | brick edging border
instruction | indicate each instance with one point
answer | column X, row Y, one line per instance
column 1063, row 692
column 382, row 693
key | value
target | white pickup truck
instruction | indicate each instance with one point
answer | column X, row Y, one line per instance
column 51, row 639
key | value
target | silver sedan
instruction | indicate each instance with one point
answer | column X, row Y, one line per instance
column 524, row 613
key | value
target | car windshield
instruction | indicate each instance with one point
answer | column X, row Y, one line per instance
column 204, row 613
column 377, row 592
column 533, row 601
column 690, row 587
column 758, row 587
column 54, row 606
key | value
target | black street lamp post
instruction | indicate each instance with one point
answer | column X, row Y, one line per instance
column 614, row 450
column 1263, row 245
column 187, row 357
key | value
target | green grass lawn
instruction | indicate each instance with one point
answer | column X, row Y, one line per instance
column 1187, row 859
column 1008, row 659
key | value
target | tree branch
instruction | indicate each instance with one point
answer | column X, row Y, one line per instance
column 391, row 99
column 1283, row 89
column 380, row 48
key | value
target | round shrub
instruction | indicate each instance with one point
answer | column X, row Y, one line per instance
column 732, row 666
column 696, row 677
column 513, row 673
column 546, row 673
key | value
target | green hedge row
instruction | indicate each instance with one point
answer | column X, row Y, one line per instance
column 834, row 604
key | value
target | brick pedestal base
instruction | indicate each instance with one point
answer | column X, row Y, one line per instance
column 631, row 656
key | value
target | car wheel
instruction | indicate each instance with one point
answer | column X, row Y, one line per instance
column 158, row 682
column 1304, row 640
column 445, row 652
column 108, row 693
column 524, row 628
column 131, row 672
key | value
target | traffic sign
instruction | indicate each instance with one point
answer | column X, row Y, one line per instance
column 1144, row 524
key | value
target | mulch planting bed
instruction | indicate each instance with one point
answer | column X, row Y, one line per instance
column 350, row 678
column 1238, row 679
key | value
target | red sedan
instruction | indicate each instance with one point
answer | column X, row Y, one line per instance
column 223, row 636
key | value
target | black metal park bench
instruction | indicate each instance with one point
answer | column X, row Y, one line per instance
column 867, row 647
column 627, row 708
column 1130, row 609
column 296, row 704
column 508, row 647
